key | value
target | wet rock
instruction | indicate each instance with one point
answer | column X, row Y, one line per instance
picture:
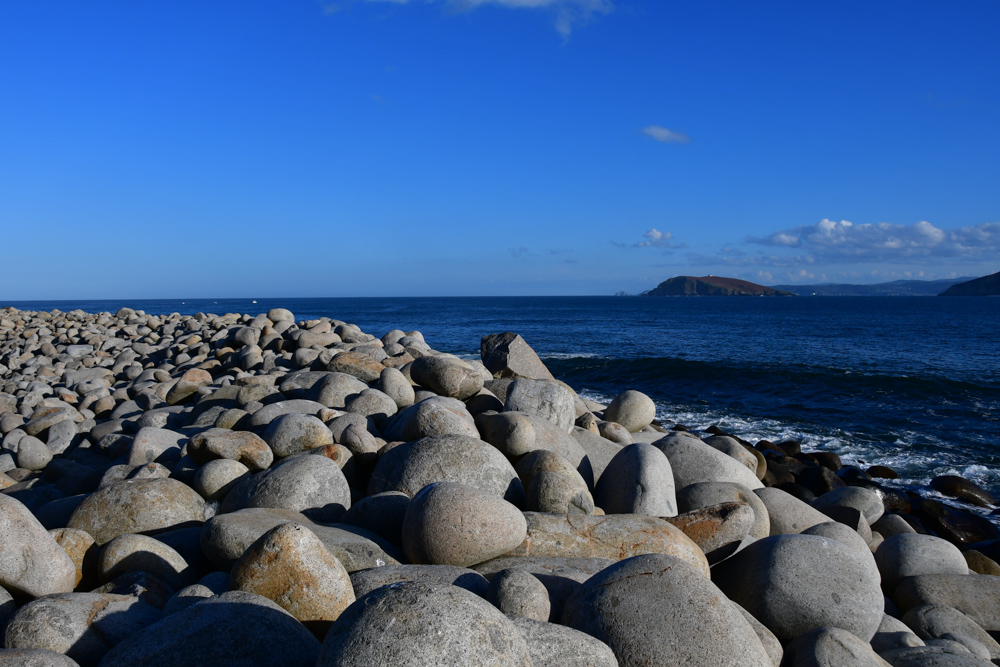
column 964, row 490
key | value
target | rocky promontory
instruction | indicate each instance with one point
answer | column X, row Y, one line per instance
column 985, row 286
column 261, row 490
column 712, row 286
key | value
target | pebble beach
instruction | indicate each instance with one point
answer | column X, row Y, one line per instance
column 255, row 489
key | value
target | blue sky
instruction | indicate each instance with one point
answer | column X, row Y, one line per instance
column 492, row 147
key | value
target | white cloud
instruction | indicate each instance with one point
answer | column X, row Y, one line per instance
column 666, row 136
column 654, row 238
column 828, row 240
column 568, row 13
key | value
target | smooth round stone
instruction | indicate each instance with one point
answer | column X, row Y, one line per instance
column 293, row 433
column 707, row 494
column 519, row 433
column 767, row 639
column 187, row 596
column 795, row 583
column 892, row 634
column 558, row 493
column 32, row 454
column 831, row 647
column 335, row 389
column 517, row 592
column 139, row 553
column 221, row 443
column 83, row 626
column 290, row 566
column 360, row 365
column 448, row 523
column 933, row 621
column 365, row 581
column 731, row 447
column 909, row 554
column 137, row 507
column 435, row 415
column 551, row 645
column 446, row 377
column 546, row 399
column 788, row 515
column 632, row 409
column 81, row 549
column 280, row 314
column 217, row 478
column 849, row 538
column 934, row 656
column 692, row 461
column 395, row 385
column 864, row 500
column 446, row 458
column 31, row 561
column 211, row 633
column 615, row 432
column 659, row 610
column 445, row 626
column 313, row 485
column 719, row 530
column 892, row 524
column 638, row 480
column 372, row 403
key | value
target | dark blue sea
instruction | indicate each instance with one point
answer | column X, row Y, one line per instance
column 908, row 382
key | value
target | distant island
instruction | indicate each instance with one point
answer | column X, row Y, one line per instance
column 894, row 288
column 712, row 286
column 985, row 286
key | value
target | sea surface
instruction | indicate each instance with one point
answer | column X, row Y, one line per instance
column 908, row 382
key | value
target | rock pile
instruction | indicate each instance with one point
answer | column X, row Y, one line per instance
column 212, row 490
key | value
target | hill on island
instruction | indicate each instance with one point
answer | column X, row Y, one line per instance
column 712, row 286
column 985, row 286
column 894, row 288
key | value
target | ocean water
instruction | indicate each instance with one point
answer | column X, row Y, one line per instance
column 908, row 382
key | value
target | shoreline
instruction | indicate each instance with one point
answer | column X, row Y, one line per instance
column 226, row 405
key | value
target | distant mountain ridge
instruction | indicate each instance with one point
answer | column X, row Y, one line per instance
column 894, row 288
column 712, row 286
column 985, row 286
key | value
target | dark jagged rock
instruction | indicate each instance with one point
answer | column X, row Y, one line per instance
column 985, row 286
column 712, row 286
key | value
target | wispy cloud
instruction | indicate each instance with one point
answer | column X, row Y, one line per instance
column 829, row 240
column 519, row 252
column 664, row 135
column 654, row 238
column 567, row 14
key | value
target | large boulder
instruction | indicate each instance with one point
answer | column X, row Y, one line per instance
column 313, row 485
column 365, row 581
column 454, row 524
column 707, row 494
column 830, row 647
column 233, row 628
column 290, row 566
column 786, row 513
column 507, row 355
column 446, row 376
column 519, row 433
column 432, row 416
column 935, row 621
column 638, row 480
column 293, row 433
column 910, row 554
column 446, row 458
column 975, row 595
column 632, row 409
column 656, row 609
column 796, row 583
column 221, row 443
column 138, row 507
column 552, row 645
column 547, row 399
column 31, row 561
column 693, row 461
column 617, row 536
column 428, row 624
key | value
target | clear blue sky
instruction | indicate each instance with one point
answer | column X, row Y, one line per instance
column 479, row 147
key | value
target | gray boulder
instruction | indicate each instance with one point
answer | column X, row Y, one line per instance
column 446, row 377
column 443, row 625
column 638, row 480
column 975, row 595
column 507, row 355
column 447, row 458
column 707, row 494
column 788, row 515
column 542, row 398
column 934, row 621
column 334, row 389
column 158, row 445
column 31, row 562
column 795, row 583
column 293, row 433
column 517, row 592
column 313, row 485
column 864, row 500
column 830, row 647
column 632, row 409
column 140, row 553
column 34, row 657
column 693, row 461
column 656, row 609
column 551, row 645
column 910, row 554
column 365, row 581
column 448, row 523
column 83, row 626
column 235, row 628
column 433, row 416
column 221, row 443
